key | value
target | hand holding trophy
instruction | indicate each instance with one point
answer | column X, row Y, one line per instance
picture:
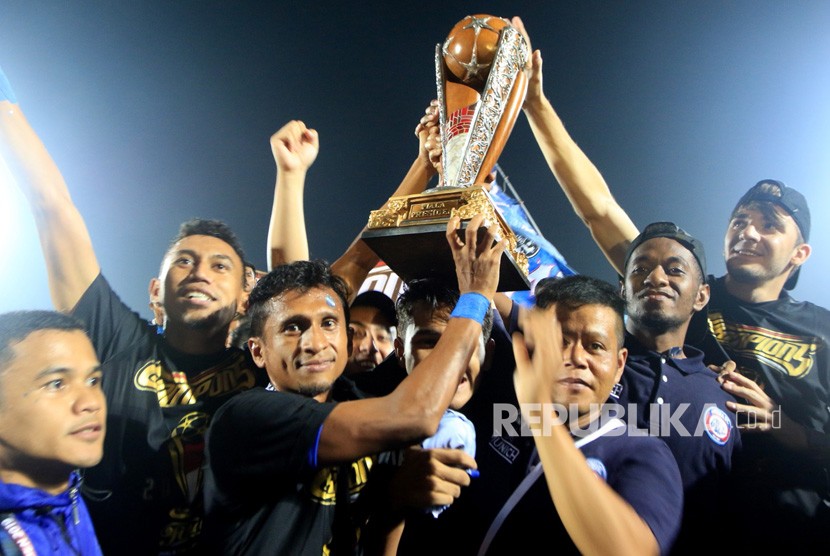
column 481, row 86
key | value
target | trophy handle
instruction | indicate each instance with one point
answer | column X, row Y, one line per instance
column 481, row 120
column 505, row 127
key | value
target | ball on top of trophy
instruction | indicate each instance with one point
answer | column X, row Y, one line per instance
column 471, row 46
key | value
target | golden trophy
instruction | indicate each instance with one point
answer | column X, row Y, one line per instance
column 481, row 87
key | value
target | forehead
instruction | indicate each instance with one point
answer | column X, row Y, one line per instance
column 661, row 249
column 45, row 349
column 366, row 315
column 593, row 318
column 205, row 246
column 425, row 317
column 762, row 211
column 315, row 301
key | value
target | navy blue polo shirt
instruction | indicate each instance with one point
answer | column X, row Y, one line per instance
column 680, row 401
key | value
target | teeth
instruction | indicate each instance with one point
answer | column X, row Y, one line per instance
column 198, row 295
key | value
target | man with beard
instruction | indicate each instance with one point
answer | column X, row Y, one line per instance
column 666, row 383
column 290, row 465
column 145, row 496
column 779, row 345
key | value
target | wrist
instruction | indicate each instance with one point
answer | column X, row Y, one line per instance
column 471, row 305
column 535, row 106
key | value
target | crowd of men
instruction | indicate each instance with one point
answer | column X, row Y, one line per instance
column 286, row 414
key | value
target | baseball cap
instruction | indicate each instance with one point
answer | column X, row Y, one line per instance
column 379, row 300
column 787, row 198
column 671, row 231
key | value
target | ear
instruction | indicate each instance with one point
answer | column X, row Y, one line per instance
column 242, row 305
column 349, row 340
column 800, row 254
column 255, row 347
column 399, row 351
column 702, row 297
column 489, row 348
column 154, row 290
column 622, row 356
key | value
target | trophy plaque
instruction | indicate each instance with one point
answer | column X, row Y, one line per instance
column 481, row 87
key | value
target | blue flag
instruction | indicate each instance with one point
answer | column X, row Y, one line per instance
column 544, row 260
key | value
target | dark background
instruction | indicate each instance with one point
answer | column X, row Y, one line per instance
column 158, row 111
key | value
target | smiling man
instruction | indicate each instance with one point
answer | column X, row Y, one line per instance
column 666, row 383
column 52, row 423
column 288, row 464
column 145, row 496
column 372, row 322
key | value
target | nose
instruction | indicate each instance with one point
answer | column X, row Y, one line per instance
column 313, row 339
column 199, row 271
column 90, row 399
column 749, row 232
column 365, row 342
column 574, row 354
column 657, row 277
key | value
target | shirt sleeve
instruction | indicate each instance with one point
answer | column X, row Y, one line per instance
column 111, row 325
column 649, row 480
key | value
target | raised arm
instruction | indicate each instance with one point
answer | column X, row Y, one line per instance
column 597, row 518
column 295, row 148
column 584, row 186
column 358, row 260
column 413, row 410
column 70, row 259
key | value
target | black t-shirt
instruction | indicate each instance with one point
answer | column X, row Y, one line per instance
column 265, row 492
column 783, row 346
column 145, row 496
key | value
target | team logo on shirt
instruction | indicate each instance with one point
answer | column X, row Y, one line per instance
column 788, row 354
column 717, row 424
column 176, row 388
column 324, row 484
column 598, row 467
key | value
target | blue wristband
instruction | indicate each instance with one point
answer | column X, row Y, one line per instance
column 6, row 92
column 471, row 305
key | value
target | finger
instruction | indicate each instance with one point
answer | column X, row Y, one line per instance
column 520, row 353
column 471, row 232
column 492, row 235
column 517, row 22
column 452, row 236
column 454, row 457
column 310, row 136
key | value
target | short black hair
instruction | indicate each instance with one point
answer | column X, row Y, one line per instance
column 213, row 228
column 17, row 325
column 575, row 291
column 300, row 275
column 436, row 294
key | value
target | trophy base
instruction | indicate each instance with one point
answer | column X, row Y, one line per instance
column 409, row 235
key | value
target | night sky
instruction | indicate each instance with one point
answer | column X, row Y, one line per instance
column 159, row 111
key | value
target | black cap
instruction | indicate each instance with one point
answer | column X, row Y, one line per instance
column 671, row 231
column 379, row 300
column 790, row 200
